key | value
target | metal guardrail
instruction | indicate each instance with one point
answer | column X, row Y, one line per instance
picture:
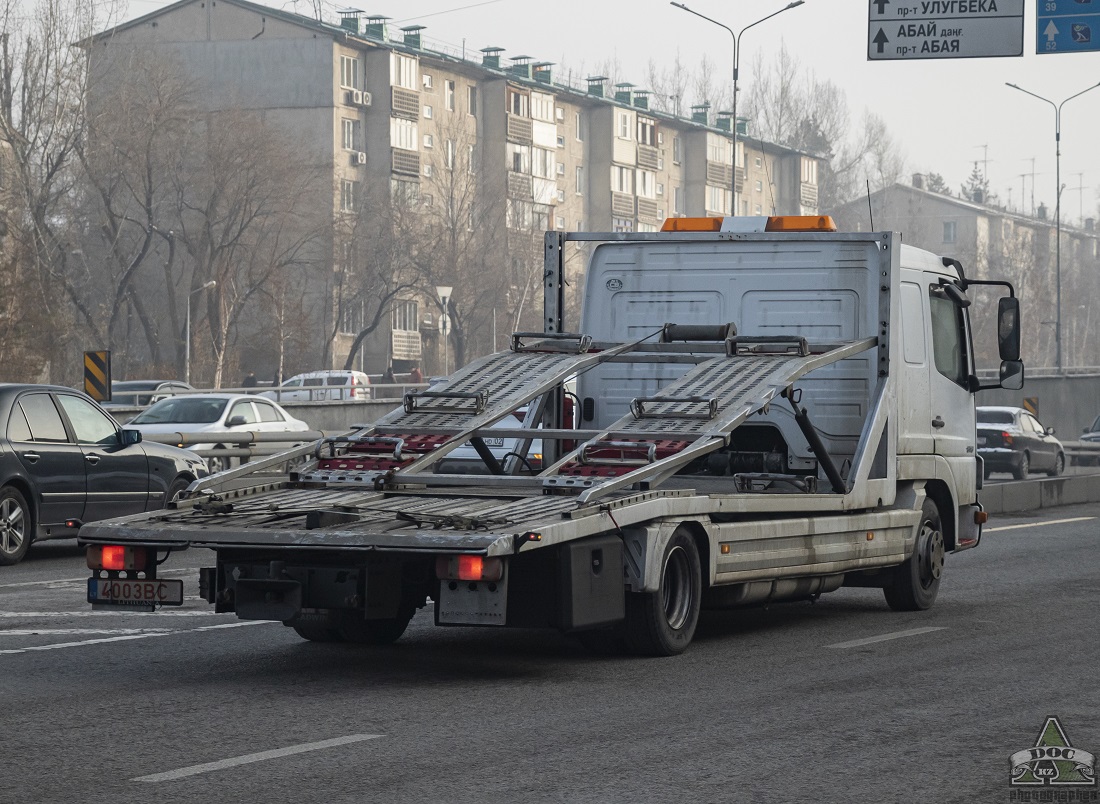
column 1082, row 453
column 243, row 444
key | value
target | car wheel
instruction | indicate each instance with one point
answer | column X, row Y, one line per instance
column 217, row 463
column 917, row 582
column 16, row 526
column 662, row 623
column 1059, row 465
column 1023, row 468
column 178, row 487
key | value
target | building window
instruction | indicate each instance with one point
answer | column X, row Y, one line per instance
column 676, row 151
column 542, row 107
column 717, row 149
column 678, row 200
column 540, row 217
column 622, row 225
column 647, row 227
column 405, row 316
column 660, row 189
column 352, row 137
column 427, row 170
column 759, row 186
column 718, row 200
column 349, row 191
column 757, row 210
column 471, row 159
column 471, row 101
column 578, row 122
column 758, row 161
column 950, row 231
column 646, row 183
column 449, row 154
column 647, row 131
column 561, row 140
column 403, row 134
column 427, row 112
column 809, row 170
column 449, row 95
column 622, row 179
column 561, row 168
column 403, row 191
column 429, row 141
column 519, row 158
column 403, row 71
column 542, row 163
column 624, row 126
column 559, row 223
column 518, row 103
column 429, row 82
column 579, row 187
column 349, row 72
column 561, row 195
column 518, row 214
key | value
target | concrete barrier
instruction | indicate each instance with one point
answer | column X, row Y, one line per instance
column 1031, row 495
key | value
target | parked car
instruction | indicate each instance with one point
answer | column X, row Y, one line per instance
column 1012, row 440
column 216, row 414
column 139, row 393
column 1090, row 436
column 65, row 461
column 318, row 386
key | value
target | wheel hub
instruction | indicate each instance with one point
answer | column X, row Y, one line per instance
column 931, row 554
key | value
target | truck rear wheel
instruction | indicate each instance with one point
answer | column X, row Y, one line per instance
column 316, row 632
column 376, row 632
column 917, row 581
column 662, row 623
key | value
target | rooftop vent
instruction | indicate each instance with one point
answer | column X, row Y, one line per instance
column 521, row 67
column 1090, row 224
column 596, row 85
column 724, row 121
column 918, row 181
column 490, row 57
column 376, row 27
column 624, row 93
column 641, row 98
column 349, row 19
column 700, row 113
column 541, row 71
column 1042, row 212
column 412, row 35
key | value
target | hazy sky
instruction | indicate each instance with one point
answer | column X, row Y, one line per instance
column 946, row 113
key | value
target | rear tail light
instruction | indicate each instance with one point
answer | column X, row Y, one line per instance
column 468, row 568
column 1007, row 437
column 116, row 557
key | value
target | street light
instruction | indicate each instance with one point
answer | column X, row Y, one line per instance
column 444, row 293
column 1057, row 213
column 187, row 330
column 736, row 68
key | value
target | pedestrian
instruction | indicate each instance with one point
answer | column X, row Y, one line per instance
column 415, row 374
column 250, row 381
column 388, row 378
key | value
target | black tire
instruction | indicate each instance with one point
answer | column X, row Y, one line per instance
column 315, row 632
column 917, row 582
column 375, row 632
column 1023, row 468
column 662, row 623
column 1059, row 465
column 16, row 526
column 179, row 485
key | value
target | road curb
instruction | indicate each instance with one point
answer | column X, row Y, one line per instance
column 1030, row 495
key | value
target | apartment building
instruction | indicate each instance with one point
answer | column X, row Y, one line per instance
column 389, row 118
column 992, row 242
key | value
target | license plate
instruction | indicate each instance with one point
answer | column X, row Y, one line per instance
column 141, row 595
column 493, row 442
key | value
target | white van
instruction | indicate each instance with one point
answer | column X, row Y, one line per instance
column 320, row 386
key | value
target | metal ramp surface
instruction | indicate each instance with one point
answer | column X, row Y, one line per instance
column 433, row 422
column 688, row 418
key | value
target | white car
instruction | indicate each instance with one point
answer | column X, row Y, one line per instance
column 319, row 386
column 215, row 414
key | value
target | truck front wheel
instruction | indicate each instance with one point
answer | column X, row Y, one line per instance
column 917, row 581
column 662, row 623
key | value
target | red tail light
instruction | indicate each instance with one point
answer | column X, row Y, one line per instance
column 469, row 568
column 1007, row 437
column 116, row 557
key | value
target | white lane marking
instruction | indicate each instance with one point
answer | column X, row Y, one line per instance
column 855, row 643
column 79, row 631
column 90, row 613
column 207, row 767
column 1037, row 524
column 130, row 637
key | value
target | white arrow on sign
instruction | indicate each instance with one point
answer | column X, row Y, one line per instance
column 1051, row 31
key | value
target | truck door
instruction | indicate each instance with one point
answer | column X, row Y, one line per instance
column 952, row 402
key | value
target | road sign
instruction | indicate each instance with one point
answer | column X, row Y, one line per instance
column 1067, row 26
column 945, row 29
column 1031, row 405
column 97, row 375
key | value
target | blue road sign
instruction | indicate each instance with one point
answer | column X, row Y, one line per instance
column 1067, row 26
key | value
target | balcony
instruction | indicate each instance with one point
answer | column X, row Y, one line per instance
column 648, row 157
column 622, row 205
column 519, row 186
column 405, row 344
column 808, row 195
column 719, row 175
column 406, row 162
column 520, row 129
column 406, row 103
column 648, row 209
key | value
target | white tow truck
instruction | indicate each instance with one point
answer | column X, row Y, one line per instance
column 768, row 410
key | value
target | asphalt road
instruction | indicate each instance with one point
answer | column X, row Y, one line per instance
column 842, row 700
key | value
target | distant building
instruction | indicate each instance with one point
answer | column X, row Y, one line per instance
column 387, row 114
column 993, row 243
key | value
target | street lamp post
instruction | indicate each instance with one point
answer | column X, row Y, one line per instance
column 736, row 69
column 444, row 293
column 1057, row 213
column 187, row 330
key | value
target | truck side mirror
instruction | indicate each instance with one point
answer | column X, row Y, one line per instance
column 1012, row 374
column 1008, row 330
